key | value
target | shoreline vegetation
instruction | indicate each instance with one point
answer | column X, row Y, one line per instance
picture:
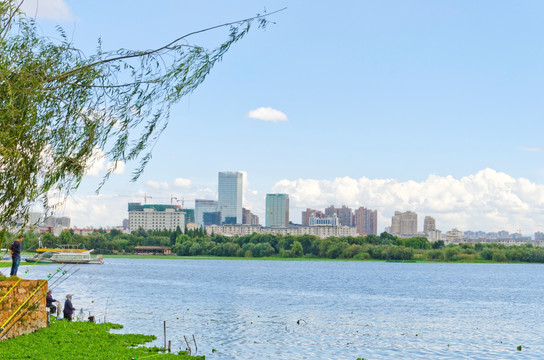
column 84, row 340
column 195, row 244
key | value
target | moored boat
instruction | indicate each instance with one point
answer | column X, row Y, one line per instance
column 76, row 258
column 41, row 258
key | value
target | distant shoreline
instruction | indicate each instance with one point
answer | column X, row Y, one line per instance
column 205, row 257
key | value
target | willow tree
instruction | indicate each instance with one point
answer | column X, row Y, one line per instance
column 59, row 105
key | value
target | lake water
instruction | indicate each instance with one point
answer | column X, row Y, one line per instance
column 318, row 309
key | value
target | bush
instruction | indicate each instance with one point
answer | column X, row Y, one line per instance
column 498, row 255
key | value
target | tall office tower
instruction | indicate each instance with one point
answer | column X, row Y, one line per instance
column 404, row 223
column 230, row 186
column 277, row 210
column 429, row 224
column 366, row 221
column 207, row 213
column 306, row 215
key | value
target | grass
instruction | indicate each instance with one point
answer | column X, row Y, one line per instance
column 84, row 340
column 211, row 257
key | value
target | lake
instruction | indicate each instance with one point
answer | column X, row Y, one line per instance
column 252, row 309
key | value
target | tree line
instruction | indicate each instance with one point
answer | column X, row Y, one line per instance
column 370, row 247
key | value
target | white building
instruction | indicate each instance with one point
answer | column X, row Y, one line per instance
column 328, row 221
column 404, row 223
column 434, row 235
column 319, row 231
column 37, row 222
column 155, row 217
column 453, row 236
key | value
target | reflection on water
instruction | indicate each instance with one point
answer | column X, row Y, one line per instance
column 318, row 310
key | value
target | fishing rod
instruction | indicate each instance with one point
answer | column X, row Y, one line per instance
column 53, row 285
column 20, row 279
column 3, row 329
column 27, row 270
column 23, row 304
column 49, row 277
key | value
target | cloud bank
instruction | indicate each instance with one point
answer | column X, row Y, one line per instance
column 267, row 114
column 488, row 200
column 182, row 183
column 48, row 9
column 97, row 165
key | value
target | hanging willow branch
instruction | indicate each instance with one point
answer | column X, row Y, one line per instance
column 58, row 106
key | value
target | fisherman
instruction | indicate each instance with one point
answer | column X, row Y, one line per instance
column 68, row 308
column 49, row 303
column 15, row 252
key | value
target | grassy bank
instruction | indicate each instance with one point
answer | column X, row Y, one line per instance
column 209, row 257
column 83, row 340
column 416, row 259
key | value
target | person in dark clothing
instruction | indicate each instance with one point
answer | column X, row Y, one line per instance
column 68, row 308
column 49, row 303
column 15, row 252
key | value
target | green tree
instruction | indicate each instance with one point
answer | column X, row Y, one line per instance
column 296, row 249
column 61, row 108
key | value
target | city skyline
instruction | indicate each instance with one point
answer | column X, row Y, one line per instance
column 431, row 111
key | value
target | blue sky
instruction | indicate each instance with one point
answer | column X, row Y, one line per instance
column 430, row 106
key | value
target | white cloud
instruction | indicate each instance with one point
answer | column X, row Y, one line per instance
column 158, row 185
column 530, row 149
column 488, row 200
column 90, row 210
column 267, row 114
column 97, row 164
column 182, row 183
column 47, row 9
column 119, row 167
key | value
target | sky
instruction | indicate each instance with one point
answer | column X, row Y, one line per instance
column 429, row 106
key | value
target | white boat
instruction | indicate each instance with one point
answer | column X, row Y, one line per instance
column 83, row 257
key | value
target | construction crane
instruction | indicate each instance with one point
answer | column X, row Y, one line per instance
column 171, row 197
column 138, row 196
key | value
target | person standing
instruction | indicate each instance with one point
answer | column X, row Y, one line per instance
column 15, row 252
column 68, row 308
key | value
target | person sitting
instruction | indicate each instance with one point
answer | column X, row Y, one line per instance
column 68, row 308
column 49, row 303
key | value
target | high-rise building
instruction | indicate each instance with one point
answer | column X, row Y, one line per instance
column 207, row 213
column 277, row 210
column 155, row 217
column 189, row 216
column 306, row 215
column 330, row 211
column 230, row 189
column 366, row 221
column 345, row 214
column 404, row 223
column 248, row 218
column 429, row 224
